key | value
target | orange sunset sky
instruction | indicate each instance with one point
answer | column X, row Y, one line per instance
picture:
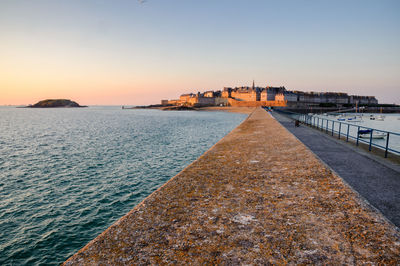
column 132, row 53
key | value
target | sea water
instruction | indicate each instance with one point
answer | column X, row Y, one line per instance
column 390, row 123
column 68, row 174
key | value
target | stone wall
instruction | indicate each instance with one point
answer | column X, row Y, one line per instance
column 258, row 197
column 233, row 102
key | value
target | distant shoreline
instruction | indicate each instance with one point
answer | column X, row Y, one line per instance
column 242, row 110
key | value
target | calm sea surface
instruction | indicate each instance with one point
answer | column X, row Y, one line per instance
column 390, row 123
column 68, row 174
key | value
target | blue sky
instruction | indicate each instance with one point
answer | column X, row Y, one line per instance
column 124, row 52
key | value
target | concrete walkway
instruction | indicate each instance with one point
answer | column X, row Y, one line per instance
column 259, row 196
column 373, row 178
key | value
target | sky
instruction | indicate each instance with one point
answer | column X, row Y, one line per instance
column 102, row 52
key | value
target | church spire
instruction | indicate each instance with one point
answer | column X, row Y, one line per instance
column 253, row 85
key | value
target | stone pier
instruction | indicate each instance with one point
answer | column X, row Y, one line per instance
column 258, row 196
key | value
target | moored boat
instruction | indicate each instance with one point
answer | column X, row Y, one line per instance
column 341, row 118
column 366, row 134
column 354, row 119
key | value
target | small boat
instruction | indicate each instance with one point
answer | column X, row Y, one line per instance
column 354, row 119
column 380, row 117
column 341, row 118
column 372, row 117
column 366, row 134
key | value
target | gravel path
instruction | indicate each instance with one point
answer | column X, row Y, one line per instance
column 258, row 196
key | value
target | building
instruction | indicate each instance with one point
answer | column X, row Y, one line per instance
column 270, row 96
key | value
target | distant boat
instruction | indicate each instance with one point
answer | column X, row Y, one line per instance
column 366, row 134
column 380, row 117
column 372, row 117
column 341, row 118
column 354, row 119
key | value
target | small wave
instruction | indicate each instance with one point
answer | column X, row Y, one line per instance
column 67, row 176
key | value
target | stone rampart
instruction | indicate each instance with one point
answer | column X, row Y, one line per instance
column 259, row 196
column 235, row 103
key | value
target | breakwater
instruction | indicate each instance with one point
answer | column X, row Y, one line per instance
column 258, row 196
column 321, row 110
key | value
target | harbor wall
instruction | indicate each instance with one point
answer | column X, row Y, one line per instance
column 235, row 103
column 321, row 110
column 258, row 196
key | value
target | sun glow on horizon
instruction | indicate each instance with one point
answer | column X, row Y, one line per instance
column 128, row 53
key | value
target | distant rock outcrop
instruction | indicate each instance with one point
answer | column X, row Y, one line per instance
column 52, row 103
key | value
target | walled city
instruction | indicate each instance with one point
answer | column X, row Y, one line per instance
column 269, row 96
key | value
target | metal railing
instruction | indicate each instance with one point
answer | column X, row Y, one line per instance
column 348, row 131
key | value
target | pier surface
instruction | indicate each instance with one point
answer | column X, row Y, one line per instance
column 258, row 196
column 375, row 179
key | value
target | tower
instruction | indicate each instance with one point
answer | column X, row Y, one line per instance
column 253, row 85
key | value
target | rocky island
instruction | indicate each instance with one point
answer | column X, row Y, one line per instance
column 55, row 103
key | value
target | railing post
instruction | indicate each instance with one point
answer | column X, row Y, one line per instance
column 333, row 127
column 370, row 140
column 327, row 122
column 358, row 135
column 340, row 128
column 387, row 144
column 348, row 129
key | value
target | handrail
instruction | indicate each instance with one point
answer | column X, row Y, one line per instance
column 375, row 129
column 328, row 125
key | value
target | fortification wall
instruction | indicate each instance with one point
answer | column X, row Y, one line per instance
column 233, row 102
column 244, row 96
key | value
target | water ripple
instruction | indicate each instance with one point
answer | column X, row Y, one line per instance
column 68, row 174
